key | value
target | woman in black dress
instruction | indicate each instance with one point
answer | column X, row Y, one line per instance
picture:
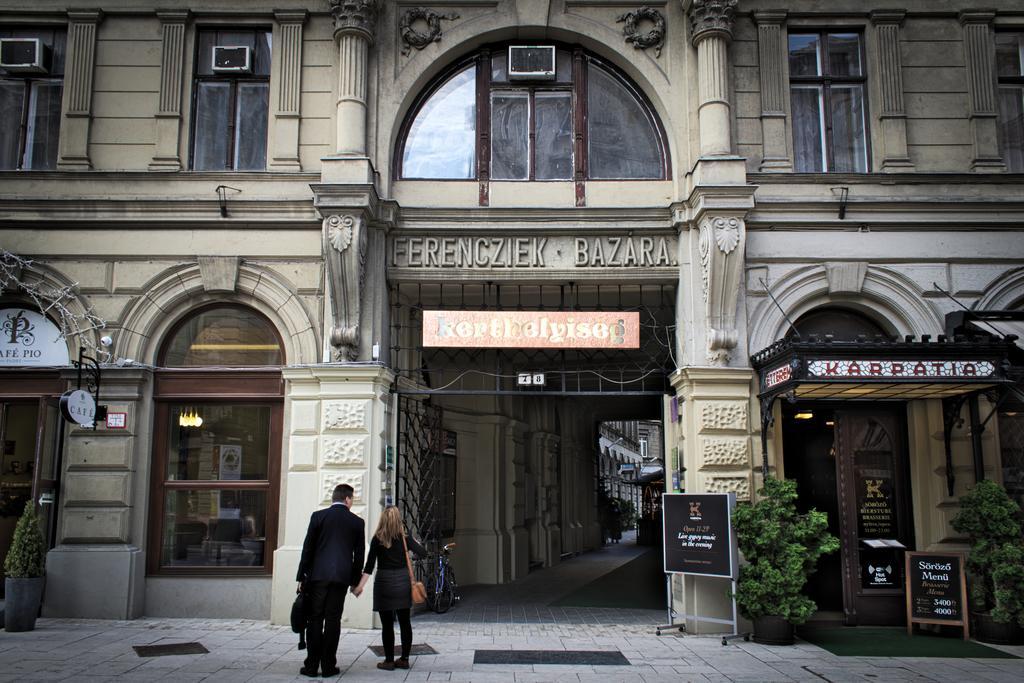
column 392, row 589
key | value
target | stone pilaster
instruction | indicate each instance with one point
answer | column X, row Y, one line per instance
column 893, row 116
column 103, row 501
column 979, row 54
column 355, row 24
column 288, row 61
column 337, row 434
column 77, row 105
column 167, row 155
column 711, row 23
column 772, row 61
column 715, row 439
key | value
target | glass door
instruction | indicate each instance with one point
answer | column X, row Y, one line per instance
column 46, row 482
column 874, row 500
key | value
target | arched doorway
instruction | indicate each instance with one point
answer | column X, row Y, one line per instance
column 849, row 460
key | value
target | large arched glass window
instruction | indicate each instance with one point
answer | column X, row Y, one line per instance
column 582, row 120
column 217, row 445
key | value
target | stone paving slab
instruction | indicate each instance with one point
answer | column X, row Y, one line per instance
column 258, row 652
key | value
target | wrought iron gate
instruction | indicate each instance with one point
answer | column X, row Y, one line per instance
column 418, row 470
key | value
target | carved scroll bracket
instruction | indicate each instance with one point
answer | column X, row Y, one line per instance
column 345, row 240
column 721, row 249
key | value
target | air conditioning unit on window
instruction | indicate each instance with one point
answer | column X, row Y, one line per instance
column 232, row 59
column 531, row 62
column 24, row 55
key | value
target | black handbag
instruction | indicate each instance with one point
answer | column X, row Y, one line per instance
column 299, row 618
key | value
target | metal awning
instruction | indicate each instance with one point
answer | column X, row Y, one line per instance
column 951, row 368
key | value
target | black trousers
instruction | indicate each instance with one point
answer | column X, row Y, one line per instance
column 387, row 634
column 326, row 601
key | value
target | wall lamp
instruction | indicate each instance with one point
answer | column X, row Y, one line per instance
column 222, row 198
column 844, row 194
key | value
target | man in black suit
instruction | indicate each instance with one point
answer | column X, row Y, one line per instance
column 331, row 563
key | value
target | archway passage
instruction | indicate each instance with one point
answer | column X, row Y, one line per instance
column 529, row 478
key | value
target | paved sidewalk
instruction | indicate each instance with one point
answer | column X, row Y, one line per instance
column 87, row 650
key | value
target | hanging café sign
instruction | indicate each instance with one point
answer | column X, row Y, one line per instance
column 532, row 329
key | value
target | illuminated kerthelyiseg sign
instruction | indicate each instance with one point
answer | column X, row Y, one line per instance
column 532, row 329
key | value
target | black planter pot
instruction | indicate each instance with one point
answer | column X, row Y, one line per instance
column 773, row 631
column 21, row 603
column 987, row 630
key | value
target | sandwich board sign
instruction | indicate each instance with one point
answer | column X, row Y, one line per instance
column 936, row 590
column 698, row 534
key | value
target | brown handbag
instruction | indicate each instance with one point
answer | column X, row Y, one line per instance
column 419, row 591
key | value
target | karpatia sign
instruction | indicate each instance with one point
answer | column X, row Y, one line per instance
column 892, row 369
column 532, row 329
column 538, row 253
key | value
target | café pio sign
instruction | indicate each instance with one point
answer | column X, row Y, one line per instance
column 532, row 329
column 28, row 339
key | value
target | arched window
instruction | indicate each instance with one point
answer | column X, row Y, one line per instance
column 843, row 324
column 223, row 336
column 582, row 120
column 217, row 444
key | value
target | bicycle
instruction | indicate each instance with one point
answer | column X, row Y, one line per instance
column 442, row 590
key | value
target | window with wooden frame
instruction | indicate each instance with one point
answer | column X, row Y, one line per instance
column 217, row 445
column 828, row 101
column 231, row 99
column 31, row 88
column 1010, row 72
column 583, row 120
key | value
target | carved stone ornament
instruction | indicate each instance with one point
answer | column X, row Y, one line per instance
column 711, row 16
column 720, row 247
column 355, row 15
column 413, row 37
column 641, row 40
column 345, row 239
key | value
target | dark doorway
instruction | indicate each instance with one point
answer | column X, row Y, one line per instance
column 851, row 463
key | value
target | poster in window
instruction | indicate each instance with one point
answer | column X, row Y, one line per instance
column 876, row 505
column 230, row 462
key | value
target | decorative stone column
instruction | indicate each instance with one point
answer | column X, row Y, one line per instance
column 711, row 24
column 77, row 105
column 772, row 61
column 288, row 44
column 354, row 27
column 890, row 83
column 979, row 54
column 166, row 156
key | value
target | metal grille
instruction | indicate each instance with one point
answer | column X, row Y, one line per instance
column 640, row 371
column 418, row 467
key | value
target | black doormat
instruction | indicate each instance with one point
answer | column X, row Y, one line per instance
column 417, row 649
column 573, row 657
column 170, row 649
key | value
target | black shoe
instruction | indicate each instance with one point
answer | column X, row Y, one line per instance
column 333, row 671
column 309, row 671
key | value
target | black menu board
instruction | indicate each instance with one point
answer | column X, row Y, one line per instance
column 936, row 590
column 698, row 533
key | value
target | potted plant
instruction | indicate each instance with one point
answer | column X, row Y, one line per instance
column 781, row 548
column 24, row 567
column 992, row 521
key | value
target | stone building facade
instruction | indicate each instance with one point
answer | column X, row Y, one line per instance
column 263, row 228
